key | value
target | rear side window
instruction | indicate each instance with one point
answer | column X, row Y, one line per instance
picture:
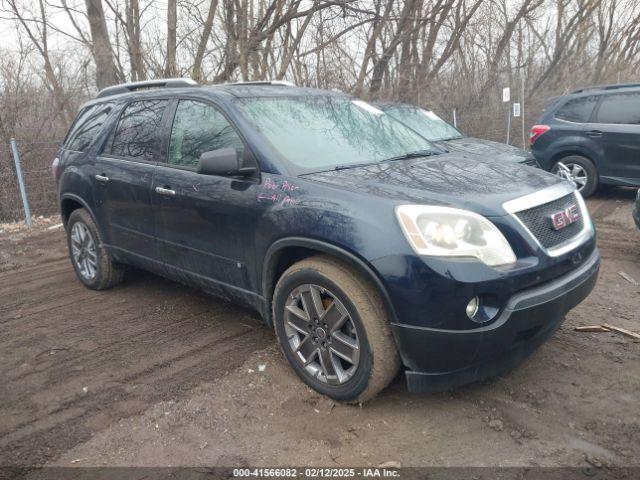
column 620, row 108
column 578, row 110
column 87, row 126
column 198, row 128
column 137, row 130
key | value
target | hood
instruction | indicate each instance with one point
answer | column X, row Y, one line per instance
column 486, row 149
column 448, row 179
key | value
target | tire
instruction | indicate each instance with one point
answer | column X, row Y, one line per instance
column 94, row 267
column 578, row 163
column 339, row 290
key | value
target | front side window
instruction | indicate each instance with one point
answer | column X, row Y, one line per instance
column 198, row 128
column 87, row 126
column 426, row 123
column 620, row 108
column 317, row 133
column 137, row 131
column 578, row 110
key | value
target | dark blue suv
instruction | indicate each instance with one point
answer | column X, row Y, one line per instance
column 362, row 244
column 591, row 137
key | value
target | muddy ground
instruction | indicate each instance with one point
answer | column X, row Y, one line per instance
column 154, row 373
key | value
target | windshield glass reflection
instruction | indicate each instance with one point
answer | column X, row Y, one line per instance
column 324, row 132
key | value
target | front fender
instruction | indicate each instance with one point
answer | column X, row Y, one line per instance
column 279, row 247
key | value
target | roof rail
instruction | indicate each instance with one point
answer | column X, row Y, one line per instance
column 613, row 86
column 146, row 84
column 280, row 83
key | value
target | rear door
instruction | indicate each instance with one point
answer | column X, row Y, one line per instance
column 575, row 116
column 617, row 125
column 204, row 223
column 122, row 179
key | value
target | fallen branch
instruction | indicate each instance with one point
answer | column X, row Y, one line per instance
column 624, row 331
column 592, row 328
column 628, row 278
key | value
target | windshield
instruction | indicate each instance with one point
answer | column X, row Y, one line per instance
column 426, row 123
column 317, row 133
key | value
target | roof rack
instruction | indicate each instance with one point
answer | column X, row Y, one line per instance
column 279, row 83
column 146, row 84
column 614, row 86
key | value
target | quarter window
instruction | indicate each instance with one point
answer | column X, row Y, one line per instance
column 198, row 128
column 137, row 130
column 87, row 126
column 620, row 108
column 578, row 110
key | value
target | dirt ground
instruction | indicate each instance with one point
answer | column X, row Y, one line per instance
column 154, row 373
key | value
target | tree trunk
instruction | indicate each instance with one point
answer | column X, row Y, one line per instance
column 101, row 48
column 133, row 37
column 196, row 70
column 171, row 70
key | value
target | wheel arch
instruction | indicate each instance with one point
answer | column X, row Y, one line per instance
column 285, row 252
column 581, row 152
column 70, row 202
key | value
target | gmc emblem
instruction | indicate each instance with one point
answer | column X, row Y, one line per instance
column 566, row 217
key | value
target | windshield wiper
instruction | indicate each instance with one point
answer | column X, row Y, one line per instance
column 345, row 166
column 407, row 156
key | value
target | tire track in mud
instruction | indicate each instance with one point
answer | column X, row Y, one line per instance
column 145, row 341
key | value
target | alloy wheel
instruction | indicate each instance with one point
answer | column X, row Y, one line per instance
column 83, row 249
column 573, row 172
column 322, row 334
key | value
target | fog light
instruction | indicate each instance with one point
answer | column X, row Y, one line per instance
column 472, row 307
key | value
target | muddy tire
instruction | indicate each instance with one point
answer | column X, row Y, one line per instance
column 333, row 328
column 91, row 261
column 581, row 171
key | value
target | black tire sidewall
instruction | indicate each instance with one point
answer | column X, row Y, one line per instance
column 82, row 216
column 589, row 167
column 355, row 385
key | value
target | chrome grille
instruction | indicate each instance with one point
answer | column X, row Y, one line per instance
column 538, row 221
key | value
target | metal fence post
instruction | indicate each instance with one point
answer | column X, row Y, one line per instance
column 23, row 190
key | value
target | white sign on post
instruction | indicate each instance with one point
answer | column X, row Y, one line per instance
column 506, row 94
column 516, row 110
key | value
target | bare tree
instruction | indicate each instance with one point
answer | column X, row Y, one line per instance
column 172, row 26
column 101, row 45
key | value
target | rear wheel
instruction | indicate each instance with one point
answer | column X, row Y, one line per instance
column 91, row 261
column 581, row 171
column 333, row 329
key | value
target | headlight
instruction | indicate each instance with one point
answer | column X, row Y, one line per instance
column 449, row 232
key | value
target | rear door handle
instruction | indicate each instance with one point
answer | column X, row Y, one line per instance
column 102, row 178
column 165, row 191
column 594, row 133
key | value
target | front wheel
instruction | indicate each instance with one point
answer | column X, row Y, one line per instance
column 579, row 170
column 333, row 329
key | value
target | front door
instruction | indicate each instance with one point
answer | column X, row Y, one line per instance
column 122, row 178
column 204, row 224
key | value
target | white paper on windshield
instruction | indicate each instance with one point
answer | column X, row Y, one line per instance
column 431, row 115
column 367, row 107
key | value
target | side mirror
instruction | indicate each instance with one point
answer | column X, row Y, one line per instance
column 223, row 162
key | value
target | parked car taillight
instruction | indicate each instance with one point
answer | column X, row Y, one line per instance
column 537, row 131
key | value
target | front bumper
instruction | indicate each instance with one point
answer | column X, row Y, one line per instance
column 440, row 359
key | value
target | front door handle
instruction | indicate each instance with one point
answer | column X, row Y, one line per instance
column 102, row 178
column 594, row 133
column 165, row 191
